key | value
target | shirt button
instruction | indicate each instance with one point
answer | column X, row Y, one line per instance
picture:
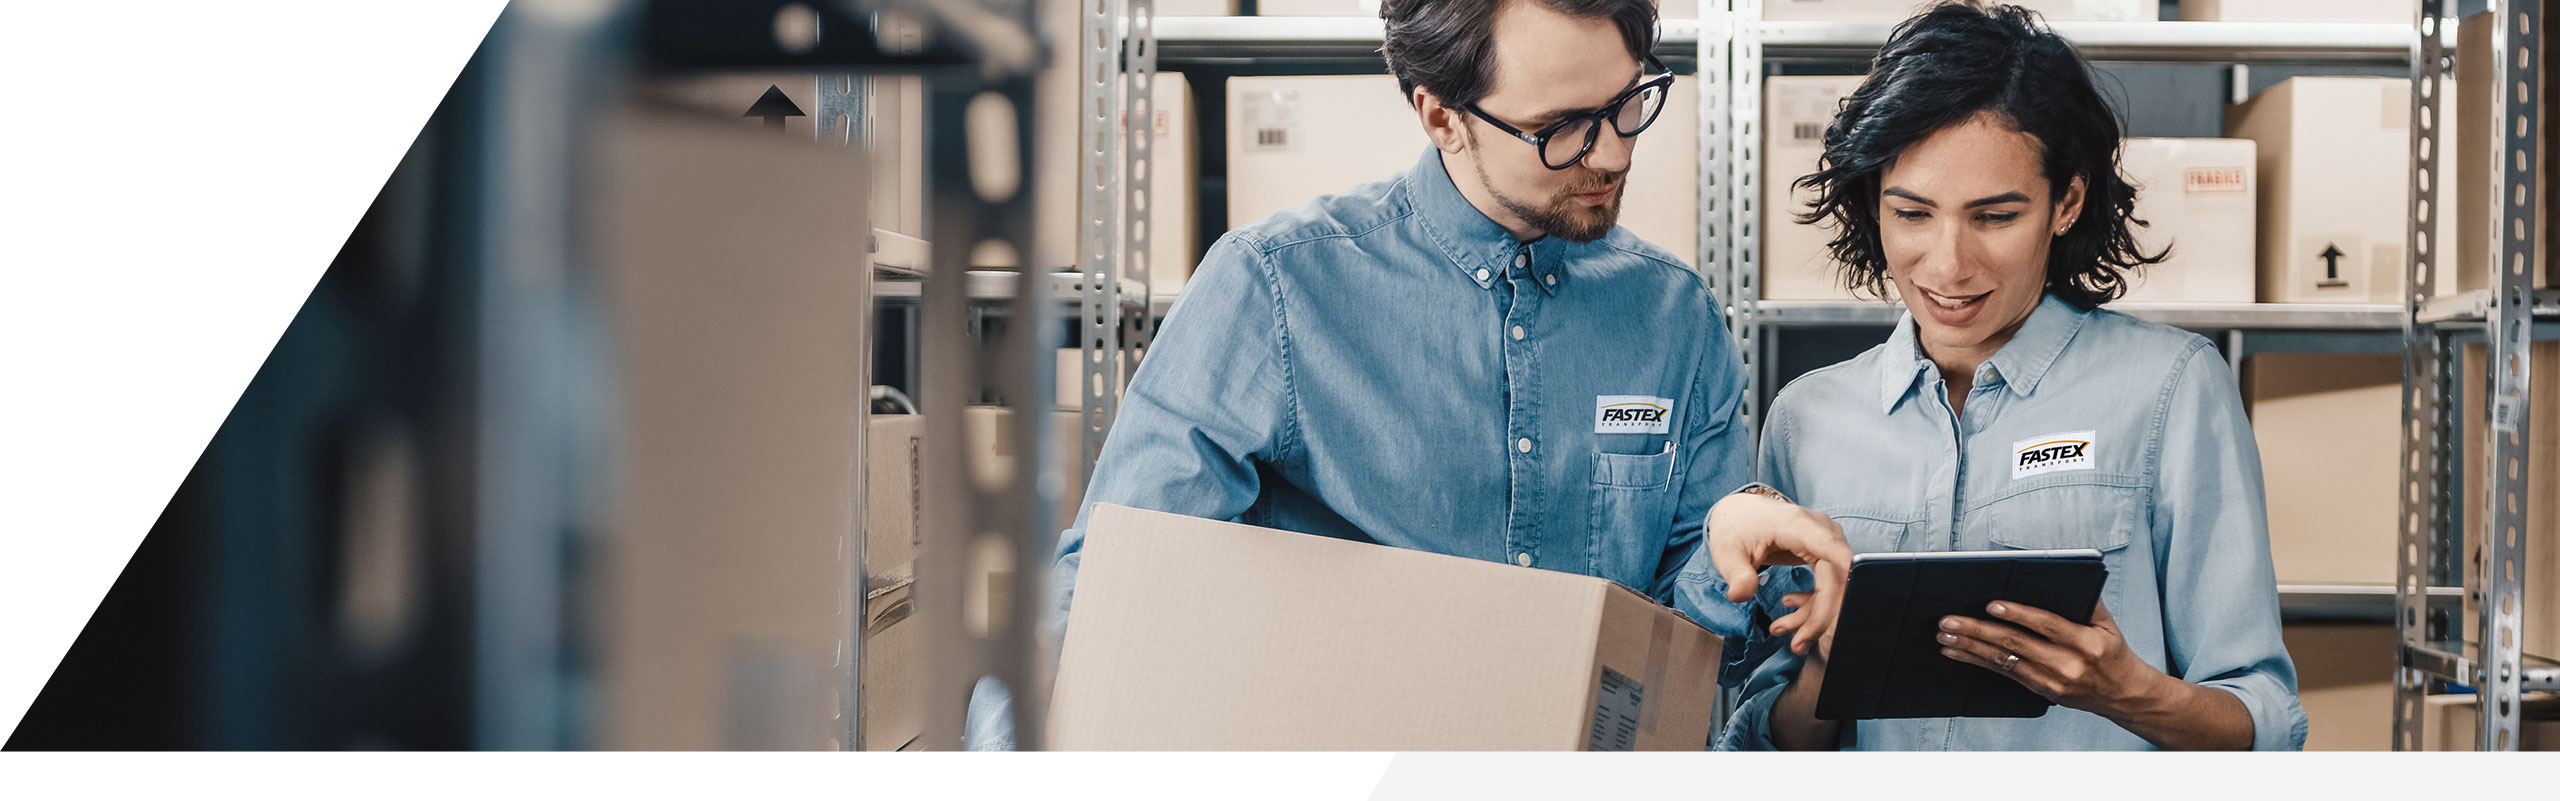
column 1521, row 260
column 1482, row 273
column 1518, row 333
column 1523, row 559
column 1551, row 280
column 1524, row 444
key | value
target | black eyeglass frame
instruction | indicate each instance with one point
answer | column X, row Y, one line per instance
column 1607, row 112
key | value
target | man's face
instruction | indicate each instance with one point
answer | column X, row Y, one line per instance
column 1549, row 66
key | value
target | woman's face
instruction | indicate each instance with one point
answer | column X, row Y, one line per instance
column 1967, row 218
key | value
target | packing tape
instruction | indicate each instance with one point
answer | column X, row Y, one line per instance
column 1657, row 659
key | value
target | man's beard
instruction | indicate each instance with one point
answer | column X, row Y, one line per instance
column 1562, row 215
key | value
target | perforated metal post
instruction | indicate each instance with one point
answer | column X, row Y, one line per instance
column 1138, row 272
column 980, row 211
column 2519, row 43
column 2425, row 471
column 1742, row 307
column 1108, row 129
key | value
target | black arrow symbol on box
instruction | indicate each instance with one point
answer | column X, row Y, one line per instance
column 774, row 106
column 2332, row 255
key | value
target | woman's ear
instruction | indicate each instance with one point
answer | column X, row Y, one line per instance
column 2066, row 209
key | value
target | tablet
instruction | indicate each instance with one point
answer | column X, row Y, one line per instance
column 1884, row 649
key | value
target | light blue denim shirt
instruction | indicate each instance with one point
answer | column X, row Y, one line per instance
column 2168, row 487
column 1388, row 365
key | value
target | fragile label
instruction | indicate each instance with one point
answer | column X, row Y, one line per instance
column 2054, row 453
column 1632, row 414
column 1615, row 712
column 2217, row 180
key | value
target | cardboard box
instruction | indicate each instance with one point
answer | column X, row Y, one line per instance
column 1670, row 9
column 1173, row 216
column 1899, row 10
column 2201, row 198
column 2474, row 208
column 1193, row 634
column 893, row 466
column 2403, row 12
column 2333, row 200
column 892, row 692
column 1293, row 138
column 2344, row 672
column 1795, row 258
column 1198, row 8
column 1361, row 127
column 2541, row 611
column 2328, row 431
column 992, row 449
column 897, row 153
column 718, row 563
column 2453, row 721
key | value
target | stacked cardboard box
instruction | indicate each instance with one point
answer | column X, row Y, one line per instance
column 1669, row 9
column 1291, row 139
column 2475, row 157
column 2200, row 197
column 1795, row 260
column 2394, row 11
column 2333, row 198
column 2344, row 673
column 2540, row 614
column 1193, row 634
column 1898, row 10
column 2328, row 430
column 717, row 556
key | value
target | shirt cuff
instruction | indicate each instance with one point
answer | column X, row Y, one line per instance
column 2275, row 712
column 1700, row 592
column 1748, row 727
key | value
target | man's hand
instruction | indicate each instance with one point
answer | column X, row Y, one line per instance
column 1748, row 532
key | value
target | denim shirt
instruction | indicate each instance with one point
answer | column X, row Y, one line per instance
column 1388, row 365
column 2168, row 487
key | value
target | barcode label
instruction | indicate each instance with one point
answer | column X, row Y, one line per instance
column 1272, row 120
column 1808, row 131
column 2503, row 418
column 1615, row 711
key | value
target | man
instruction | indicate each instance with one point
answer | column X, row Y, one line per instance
column 1470, row 357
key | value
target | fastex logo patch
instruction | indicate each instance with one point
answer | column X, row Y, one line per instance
column 2054, row 453
column 1632, row 414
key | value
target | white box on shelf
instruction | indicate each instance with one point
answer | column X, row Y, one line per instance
column 1795, row 258
column 2403, row 12
column 2200, row 197
column 2333, row 187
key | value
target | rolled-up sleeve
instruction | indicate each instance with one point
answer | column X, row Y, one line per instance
column 2209, row 532
column 1210, row 403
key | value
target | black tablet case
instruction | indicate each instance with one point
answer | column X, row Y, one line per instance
column 1884, row 653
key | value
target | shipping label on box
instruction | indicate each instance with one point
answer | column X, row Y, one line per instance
column 1192, row 634
column 892, row 509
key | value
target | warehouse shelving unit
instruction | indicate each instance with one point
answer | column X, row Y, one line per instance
column 2508, row 320
column 1730, row 48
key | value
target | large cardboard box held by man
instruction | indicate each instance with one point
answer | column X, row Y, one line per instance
column 1192, row 634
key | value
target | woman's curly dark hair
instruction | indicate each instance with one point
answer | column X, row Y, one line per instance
column 1940, row 69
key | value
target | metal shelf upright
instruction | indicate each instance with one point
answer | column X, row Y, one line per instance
column 2436, row 326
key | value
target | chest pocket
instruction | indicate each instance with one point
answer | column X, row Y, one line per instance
column 1873, row 531
column 1631, row 505
column 2096, row 511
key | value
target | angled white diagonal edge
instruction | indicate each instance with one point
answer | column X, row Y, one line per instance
column 177, row 177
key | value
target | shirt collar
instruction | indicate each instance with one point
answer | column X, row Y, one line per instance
column 1480, row 249
column 2022, row 361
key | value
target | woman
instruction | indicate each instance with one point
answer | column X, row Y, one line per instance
column 1974, row 176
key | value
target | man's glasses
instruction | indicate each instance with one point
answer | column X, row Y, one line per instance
column 1629, row 113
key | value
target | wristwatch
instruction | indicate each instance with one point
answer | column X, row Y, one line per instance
column 1765, row 491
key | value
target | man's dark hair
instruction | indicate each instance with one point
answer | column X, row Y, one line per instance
column 1940, row 69
column 1447, row 45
